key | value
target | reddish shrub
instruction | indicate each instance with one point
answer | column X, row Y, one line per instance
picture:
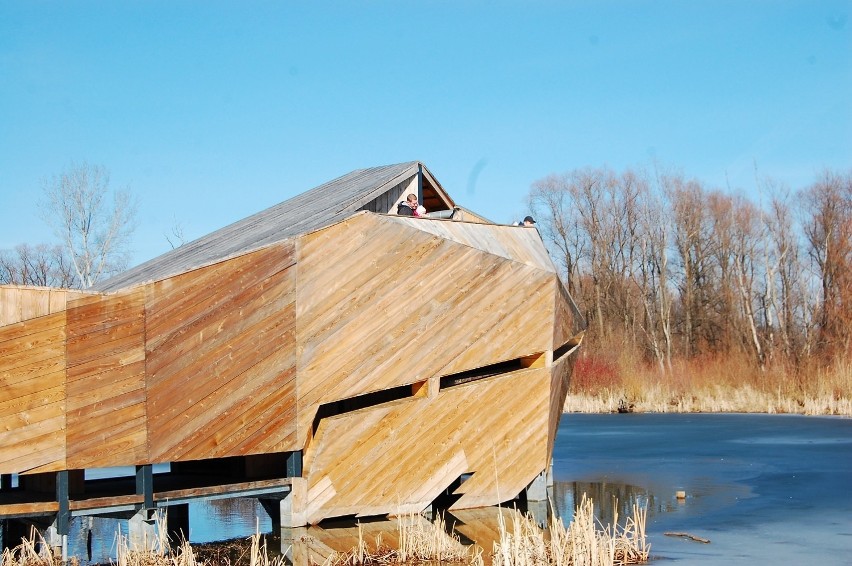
column 594, row 373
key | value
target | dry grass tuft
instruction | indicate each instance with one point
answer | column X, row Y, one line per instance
column 582, row 543
column 721, row 384
column 420, row 541
column 32, row 551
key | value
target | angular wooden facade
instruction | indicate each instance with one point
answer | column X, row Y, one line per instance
column 398, row 356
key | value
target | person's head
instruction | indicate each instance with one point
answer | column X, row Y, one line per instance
column 529, row 221
column 412, row 198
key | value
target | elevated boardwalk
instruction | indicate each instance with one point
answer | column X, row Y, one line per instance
column 346, row 360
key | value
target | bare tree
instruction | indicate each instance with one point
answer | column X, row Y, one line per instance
column 94, row 231
column 41, row 265
column 828, row 230
column 654, row 276
column 177, row 234
column 552, row 204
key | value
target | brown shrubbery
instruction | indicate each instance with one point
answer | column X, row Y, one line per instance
column 698, row 298
column 603, row 381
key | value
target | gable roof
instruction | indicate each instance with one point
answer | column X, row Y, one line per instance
column 314, row 209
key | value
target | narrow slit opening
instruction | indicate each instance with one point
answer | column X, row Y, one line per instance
column 366, row 400
column 491, row 370
column 568, row 347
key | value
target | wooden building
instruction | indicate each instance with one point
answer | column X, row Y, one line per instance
column 325, row 351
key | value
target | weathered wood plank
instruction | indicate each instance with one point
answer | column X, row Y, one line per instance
column 35, row 445
column 32, row 394
column 14, row 400
column 194, row 295
column 106, row 391
column 254, row 425
column 228, row 418
column 16, row 424
column 104, row 502
column 366, row 460
column 28, row 509
column 19, row 303
column 203, row 381
column 35, row 303
column 31, row 342
column 99, row 344
column 221, row 489
column 123, row 444
column 378, row 305
column 206, row 338
column 264, row 326
column 10, row 306
column 510, row 242
column 115, row 364
column 97, row 390
column 560, row 378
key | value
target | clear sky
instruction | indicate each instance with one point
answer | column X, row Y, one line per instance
column 211, row 111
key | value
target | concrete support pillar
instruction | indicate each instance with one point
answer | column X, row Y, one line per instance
column 537, row 489
column 56, row 535
column 538, row 511
column 293, row 508
column 177, row 523
column 273, row 509
column 142, row 530
column 56, row 539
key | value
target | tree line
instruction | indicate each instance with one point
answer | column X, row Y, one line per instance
column 94, row 224
column 662, row 263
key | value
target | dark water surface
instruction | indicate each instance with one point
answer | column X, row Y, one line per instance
column 765, row 489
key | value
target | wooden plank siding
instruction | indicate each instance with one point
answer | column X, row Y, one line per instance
column 106, row 397
column 230, row 345
column 32, row 395
column 381, row 304
column 399, row 457
column 560, row 379
column 221, row 359
column 19, row 303
column 511, row 242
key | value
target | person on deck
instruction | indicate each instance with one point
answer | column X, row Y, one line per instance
column 527, row 221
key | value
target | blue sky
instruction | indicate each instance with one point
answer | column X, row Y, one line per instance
column 211, row 111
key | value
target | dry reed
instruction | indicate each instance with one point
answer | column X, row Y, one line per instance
column 420, row 541
column 32, row 551
column 718, row 385
column 582, row 543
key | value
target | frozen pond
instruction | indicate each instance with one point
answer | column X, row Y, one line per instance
column 763, row 488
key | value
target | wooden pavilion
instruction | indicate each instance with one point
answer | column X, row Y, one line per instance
column 325, row 353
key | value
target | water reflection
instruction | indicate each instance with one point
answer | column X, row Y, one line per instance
column 92, row 540
column 480, row 527
column 314, row 545
column 225, row 519
column 607, row 498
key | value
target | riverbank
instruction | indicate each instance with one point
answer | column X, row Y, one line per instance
column 715, row 400
column 605, row 384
